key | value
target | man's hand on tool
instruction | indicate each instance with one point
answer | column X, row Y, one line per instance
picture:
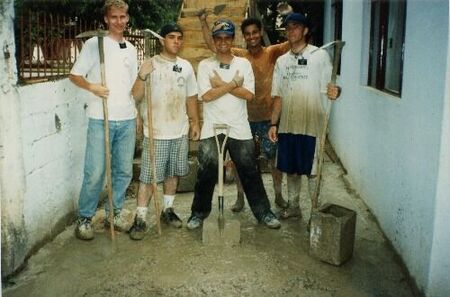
column 333, row 91
column 146, row 69
column 99, row 90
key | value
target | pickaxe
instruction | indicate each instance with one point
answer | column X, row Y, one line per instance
column 190, row 12
column 338, row 45
column 100, row 34
column 148, row 95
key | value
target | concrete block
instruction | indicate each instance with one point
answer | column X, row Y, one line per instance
column 213, row 235
column 332, row 234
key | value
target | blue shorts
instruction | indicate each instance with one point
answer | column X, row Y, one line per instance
column 260, row 130
column 296, row 153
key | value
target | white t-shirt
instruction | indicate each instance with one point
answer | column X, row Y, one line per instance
column 300, row 87
column 120, row 72
column 227, row 109
column 172, row 83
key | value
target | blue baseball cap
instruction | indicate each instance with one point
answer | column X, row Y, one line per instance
column 223, row 26
column 297, row 18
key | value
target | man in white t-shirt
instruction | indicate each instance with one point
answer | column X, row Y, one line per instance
column 300, row 78
column 174, row 107
column 225, row 84
column 121, row 70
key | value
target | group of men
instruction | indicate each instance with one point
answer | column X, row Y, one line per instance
column 272, row 92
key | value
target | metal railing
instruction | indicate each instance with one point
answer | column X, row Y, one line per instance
column 48, row 47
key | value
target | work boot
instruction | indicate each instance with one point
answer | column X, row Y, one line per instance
column 194, row 222
column 84, row 229
column 171, row 218
column 271, row 221
column 119, row 223
column 280, row 202
column 239, row 204
column 137, row 231
column 291, row 212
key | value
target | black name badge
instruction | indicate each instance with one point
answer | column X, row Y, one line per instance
column 224, row 66
column 122, row 45
column 302, row 62
column 177, row 68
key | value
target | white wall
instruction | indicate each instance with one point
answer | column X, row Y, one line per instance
column 391, row 146
column 42, row 140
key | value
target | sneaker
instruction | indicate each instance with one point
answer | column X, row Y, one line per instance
column 119, row 223
column 239, row 204
column 84, row 229
column 271, row 221
column 171, row 218
column 194, row 222
column 291, row 212
column 137, row 231
column 280, row 202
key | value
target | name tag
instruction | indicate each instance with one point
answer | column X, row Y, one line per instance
column 224, row 66
column 177, row 68
column 123, row 45
column 302, row 61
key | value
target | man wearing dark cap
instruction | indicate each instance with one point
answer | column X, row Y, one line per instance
column 300, row 78
column 225, row 84
column 174, row 112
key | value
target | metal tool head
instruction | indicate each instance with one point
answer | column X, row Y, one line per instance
column 148, row 32
column 218, row 8
column 92, row 33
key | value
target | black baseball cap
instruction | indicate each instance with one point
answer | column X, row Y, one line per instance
column 297, row 18
column 169, row 28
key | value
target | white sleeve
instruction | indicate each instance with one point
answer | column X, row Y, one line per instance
column 87, row 58
column 275, row 80
column 204, row 85
column 191, row 87
column 249, row 78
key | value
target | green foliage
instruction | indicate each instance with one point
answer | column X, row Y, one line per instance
column 143, row 13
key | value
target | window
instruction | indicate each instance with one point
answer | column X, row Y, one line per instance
column 337, row 10
column 387, row 39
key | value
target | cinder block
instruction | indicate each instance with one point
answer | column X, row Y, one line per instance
column 230, row 235
column 332, row 234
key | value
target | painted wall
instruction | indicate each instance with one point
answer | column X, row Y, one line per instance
column 42, row 140
column 391, row 146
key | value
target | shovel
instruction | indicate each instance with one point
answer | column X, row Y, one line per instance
column 228, row 232
column 192, row 12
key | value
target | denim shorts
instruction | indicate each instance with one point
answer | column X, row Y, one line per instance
column 260, row 130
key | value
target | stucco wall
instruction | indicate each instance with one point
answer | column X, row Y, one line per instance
column 391, row 146
column 42, row 139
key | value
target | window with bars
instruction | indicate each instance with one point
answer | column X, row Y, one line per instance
column 387, row 39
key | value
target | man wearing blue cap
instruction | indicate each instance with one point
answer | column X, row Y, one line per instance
column 225, row 84
column 174, row 112
column 300, row 78
column 260, row 109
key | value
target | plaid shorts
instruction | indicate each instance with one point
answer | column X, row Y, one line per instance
column 171, row 159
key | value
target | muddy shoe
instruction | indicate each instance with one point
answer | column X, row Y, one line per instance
column 239, row 204
column 271, row 221
column 194, row 222
column 119, row 223
column 280, row 202
column 291, row 212
column 84, row 229
column 137, row 231
column 171, row 218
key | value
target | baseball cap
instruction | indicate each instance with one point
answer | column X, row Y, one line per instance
column 170, row 27
column 297, row 18
column 223, row 26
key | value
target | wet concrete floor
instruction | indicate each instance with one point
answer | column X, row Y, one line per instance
column 266, row 263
